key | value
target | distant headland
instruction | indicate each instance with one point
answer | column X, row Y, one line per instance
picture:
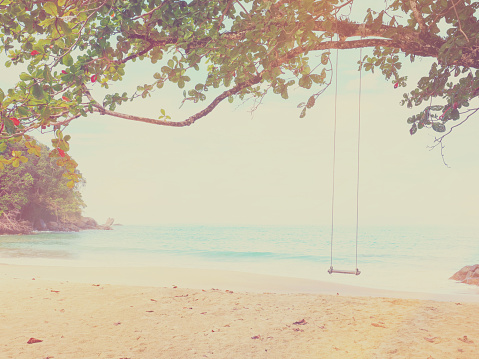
column 11, row 226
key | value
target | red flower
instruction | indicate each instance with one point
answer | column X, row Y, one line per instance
column 34, row 52
column 94, row 78
column 64, row 98
column 396, row 85
column 61, row 152
column 64, row 72
column 15, row 121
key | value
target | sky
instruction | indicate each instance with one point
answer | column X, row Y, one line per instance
column 270, row 167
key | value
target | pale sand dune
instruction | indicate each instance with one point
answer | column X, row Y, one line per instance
column 87, row 320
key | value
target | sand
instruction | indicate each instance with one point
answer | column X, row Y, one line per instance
column 91, row 313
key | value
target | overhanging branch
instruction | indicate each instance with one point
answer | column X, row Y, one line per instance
column 189, row 121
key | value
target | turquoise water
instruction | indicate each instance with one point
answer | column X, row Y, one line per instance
column 411, row 259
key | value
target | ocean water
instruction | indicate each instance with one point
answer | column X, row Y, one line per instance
column 418, row 259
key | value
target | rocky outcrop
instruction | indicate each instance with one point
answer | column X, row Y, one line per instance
column 83, row 223
column 87, row 223
column 13, row 226
column 10, row 226
column 107, row 225
column 467, row 275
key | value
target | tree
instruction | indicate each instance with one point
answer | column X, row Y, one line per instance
column 37, row 189
column 244, row 48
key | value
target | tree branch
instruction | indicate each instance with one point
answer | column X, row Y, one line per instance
column 190, row 120
column 417, row 15
column 252, row 81
column 439, row 139
column 459, row 22
column 403, row 38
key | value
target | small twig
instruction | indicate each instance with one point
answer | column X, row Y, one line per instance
column 442, row 155
column 223, row 14
column 459, row 21
column 439, row 141
column 336, row 9
column 456, row 125
column 150, row 12
column 246, row 12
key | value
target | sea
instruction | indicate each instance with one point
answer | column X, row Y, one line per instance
column 414, row 259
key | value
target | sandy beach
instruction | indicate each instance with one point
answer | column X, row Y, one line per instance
column 186, row 313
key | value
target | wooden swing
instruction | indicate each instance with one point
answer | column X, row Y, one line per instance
column 331, row 270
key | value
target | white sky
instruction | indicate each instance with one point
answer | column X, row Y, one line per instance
column 272, row 167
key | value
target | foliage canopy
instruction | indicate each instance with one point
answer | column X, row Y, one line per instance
column 37, row 189
column 245, row 48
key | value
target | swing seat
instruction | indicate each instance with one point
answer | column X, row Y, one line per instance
column 355, row 272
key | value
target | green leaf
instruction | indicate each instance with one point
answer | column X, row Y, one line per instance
column 61, row 2
column 438, row 127
column 47, row 74
column 37, row 92
column 305, row 82
column 413, row 129
column 325, row 58
column 2, row 95
column 25, row 77
column 50, row 8
column 303, row 113
column 311, row 102
column 307, row 4
column 454, row 114
column 316, row 78
column 67, row 60
column 45, row 114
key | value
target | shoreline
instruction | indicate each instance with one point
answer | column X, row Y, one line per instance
column 192, row 278
column 54, row 312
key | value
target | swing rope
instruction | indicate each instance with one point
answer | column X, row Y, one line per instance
column 331, row 270
column 334, row 155
column 359, row 147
